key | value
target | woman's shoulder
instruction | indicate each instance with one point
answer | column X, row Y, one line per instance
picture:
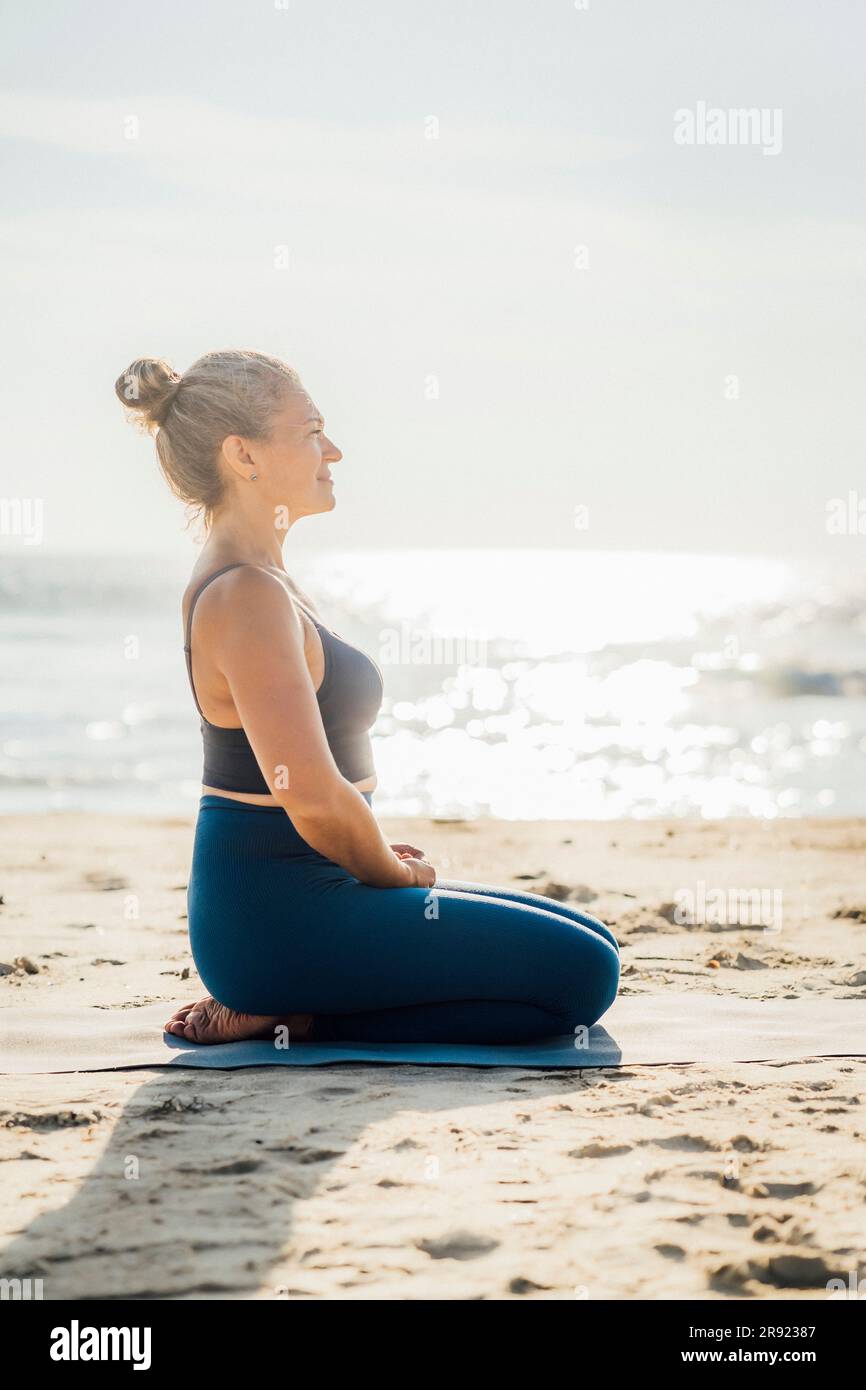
column 238, row 589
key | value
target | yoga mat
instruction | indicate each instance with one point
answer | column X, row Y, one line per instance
column 639, row 1030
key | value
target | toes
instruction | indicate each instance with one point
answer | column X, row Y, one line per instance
column 187, row 1020
column 181, row 1013
column 210, row 1022
column 180, row 1028
column 182, row 1016
column 194, row 1025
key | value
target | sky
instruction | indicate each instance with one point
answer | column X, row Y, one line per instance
column 530, row 315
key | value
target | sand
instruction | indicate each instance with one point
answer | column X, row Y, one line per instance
column 423, row 1183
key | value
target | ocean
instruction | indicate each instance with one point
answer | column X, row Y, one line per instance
column 518, row 684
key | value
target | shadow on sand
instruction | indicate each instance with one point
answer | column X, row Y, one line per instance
column 195, row 1191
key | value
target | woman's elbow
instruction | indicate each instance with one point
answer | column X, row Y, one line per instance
column 320, row 801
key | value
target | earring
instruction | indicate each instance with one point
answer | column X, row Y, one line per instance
column 253, row 477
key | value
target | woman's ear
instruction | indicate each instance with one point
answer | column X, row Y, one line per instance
column 237, row 456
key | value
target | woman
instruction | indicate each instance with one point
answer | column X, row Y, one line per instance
column 300, row 913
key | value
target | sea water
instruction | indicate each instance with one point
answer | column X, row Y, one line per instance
column 518, row 684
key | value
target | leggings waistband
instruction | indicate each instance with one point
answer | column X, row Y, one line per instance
column 244, row 832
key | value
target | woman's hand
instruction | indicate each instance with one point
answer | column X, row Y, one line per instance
column 419, row 874
column 407, row 851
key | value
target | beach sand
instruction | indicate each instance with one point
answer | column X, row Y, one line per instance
column 439, row 1183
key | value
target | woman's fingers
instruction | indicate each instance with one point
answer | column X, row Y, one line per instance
column 425, row 874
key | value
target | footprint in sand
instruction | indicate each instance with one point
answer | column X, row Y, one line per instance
column 306, row 1156
column 687, row 1143
column 740, row 961
column 559, row 892
column 853, row 914
column 22, row 965
column 237, row 1168
column 783, row 1191
column 597, row 1150
column 458, row 1245
column 520, row 1285
column 52, row 1119
column 106, row 883
column 789, row 1270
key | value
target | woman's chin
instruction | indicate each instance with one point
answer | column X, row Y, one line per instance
column 325, row 494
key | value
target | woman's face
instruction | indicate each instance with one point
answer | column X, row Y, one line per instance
column 293, row 464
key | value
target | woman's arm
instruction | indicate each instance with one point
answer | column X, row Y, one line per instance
column 253, row 634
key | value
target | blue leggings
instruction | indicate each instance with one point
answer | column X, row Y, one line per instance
column 276, row 928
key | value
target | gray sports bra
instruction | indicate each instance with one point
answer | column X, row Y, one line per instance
column 349, row 700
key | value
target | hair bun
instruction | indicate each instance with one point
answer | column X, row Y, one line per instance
column 147, row 388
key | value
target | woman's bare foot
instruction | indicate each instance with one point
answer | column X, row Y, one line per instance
column 210, row 1022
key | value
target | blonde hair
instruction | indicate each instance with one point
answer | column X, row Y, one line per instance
column 235, row 391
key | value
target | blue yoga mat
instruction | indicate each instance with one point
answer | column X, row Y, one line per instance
column 599, row 1050
column 640, row 1030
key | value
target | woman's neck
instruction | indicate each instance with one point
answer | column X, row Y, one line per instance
column 253, row 544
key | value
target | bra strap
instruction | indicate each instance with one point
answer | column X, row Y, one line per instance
column 238, row 564
column 187, row 646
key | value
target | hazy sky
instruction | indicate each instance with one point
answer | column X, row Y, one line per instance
column 483, row 375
